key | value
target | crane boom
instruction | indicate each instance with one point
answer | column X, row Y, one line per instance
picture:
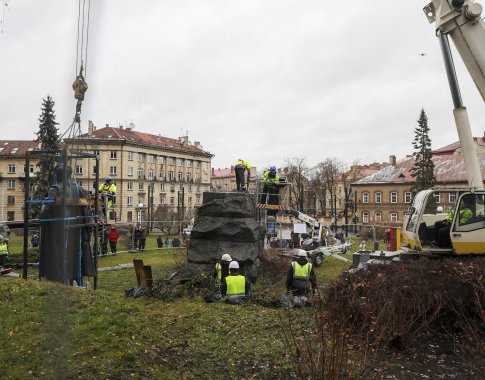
column 460, row 19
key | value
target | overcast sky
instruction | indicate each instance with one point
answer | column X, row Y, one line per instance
column 264, row 80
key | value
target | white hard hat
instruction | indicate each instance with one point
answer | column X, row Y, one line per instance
column 226, row 257
column 302, row 253
column 234, row 265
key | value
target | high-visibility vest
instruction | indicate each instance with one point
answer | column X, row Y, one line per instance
column 301, row 272
column 109, row 188
column 465, row 216
column 3, row 248
column 243, row 163
column 270, row 180
column 219, row 271
column 236, row 285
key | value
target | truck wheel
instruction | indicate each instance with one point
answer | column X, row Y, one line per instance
column 318, row 259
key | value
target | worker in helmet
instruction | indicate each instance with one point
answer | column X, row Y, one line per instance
column 301, row 280
column 271, row 181
column 235, row 287
column 107, row 195
column 443, row 227
column 3, row 250
column 240, row 167
column 221, row 270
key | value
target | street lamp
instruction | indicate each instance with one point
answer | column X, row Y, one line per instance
column 138, row 212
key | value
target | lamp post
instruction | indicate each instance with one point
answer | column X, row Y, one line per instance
column 139, row 215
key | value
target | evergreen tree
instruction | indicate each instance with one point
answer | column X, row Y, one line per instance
column 423, row 168
column 48, row 137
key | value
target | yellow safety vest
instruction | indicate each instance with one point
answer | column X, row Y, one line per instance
column 108, row 188
column 301, row 272
column 243, row 163
column 270, row 180
column 219, row 271
column 236, row 285
column 3, row 248
column 465, row 216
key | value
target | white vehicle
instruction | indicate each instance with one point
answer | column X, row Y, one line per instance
column 462, row 21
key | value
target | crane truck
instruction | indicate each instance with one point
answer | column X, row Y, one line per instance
column 461, row 20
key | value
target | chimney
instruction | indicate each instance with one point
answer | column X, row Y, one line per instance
column 213, row 171
column 91, row 128
column 392, row 160
column 107, row 125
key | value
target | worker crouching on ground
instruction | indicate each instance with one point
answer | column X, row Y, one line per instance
column 221, row 269
column 235, row 287
column 301, row 280
column 240, row 167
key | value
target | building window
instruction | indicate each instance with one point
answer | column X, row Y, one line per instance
column 150, row 173
column 365, row 198
column 170, row 160
column 172, row 200
column 113, row 154
column 94, row 170
column 452, row 198
column 365, row 217
column 112, row 170
column 407, row 197
column 393, row 216
column 11, row 200
column 162, row 187
column 394, row 197
column 78, row 169
column 11, row 168
column 162, row 176
column 11, row 184
column 140, row 172
column 170, row 175
column 141, row 157
column 31, row 169
column 96, row 152
column 129, row 216
column 129, row 201
column 180, row 162
column 180, row 176
column 188, row 177
column 190, row 188
column 188, row 163
column 162, row 199
column 172, row 188
column 80, row 183
column 190, row 201
column 141, row 185
column 197, row 199
column 10, row 216
column 130, row 185
column 378, row 197
column 161, row 160
column 130, row 170
column 150, row 159
column 130, row 156
column 378, row 217
column 437, row 197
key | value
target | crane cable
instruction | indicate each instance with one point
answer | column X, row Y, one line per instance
column 82, row 32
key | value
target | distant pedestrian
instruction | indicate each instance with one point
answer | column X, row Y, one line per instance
column 167, row 243
column 159, row 241
column 113, row 237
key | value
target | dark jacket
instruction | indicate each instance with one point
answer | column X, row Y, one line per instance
column 296, row 284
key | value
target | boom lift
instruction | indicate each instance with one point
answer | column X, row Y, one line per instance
column 462, row 21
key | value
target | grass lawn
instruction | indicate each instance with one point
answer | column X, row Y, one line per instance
column 53, row 331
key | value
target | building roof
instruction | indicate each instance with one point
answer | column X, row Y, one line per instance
column 136, row 137
column 449, row 168
column 453, row 147
column 222, row 173
column 17, row 148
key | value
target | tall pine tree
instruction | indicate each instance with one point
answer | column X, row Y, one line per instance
column 48, row 137
column 423, row 168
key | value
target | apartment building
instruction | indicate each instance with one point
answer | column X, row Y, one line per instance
column 150, row 171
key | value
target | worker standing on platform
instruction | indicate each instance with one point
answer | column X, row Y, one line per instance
column 107, row 194
column 240, row 167
column 271, row 189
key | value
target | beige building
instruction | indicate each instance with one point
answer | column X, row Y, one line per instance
column 150, row 172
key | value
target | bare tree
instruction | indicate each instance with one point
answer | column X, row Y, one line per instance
column 324, row 179
column 296, row 173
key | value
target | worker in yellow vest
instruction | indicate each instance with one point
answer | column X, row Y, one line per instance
column 3, row 251
column 240, row 167
column 107, row 193
column 235, row 287
column 301, row 280
column 221, row 270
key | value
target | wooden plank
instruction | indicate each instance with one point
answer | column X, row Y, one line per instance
column 138, row 269
column 147, row 274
